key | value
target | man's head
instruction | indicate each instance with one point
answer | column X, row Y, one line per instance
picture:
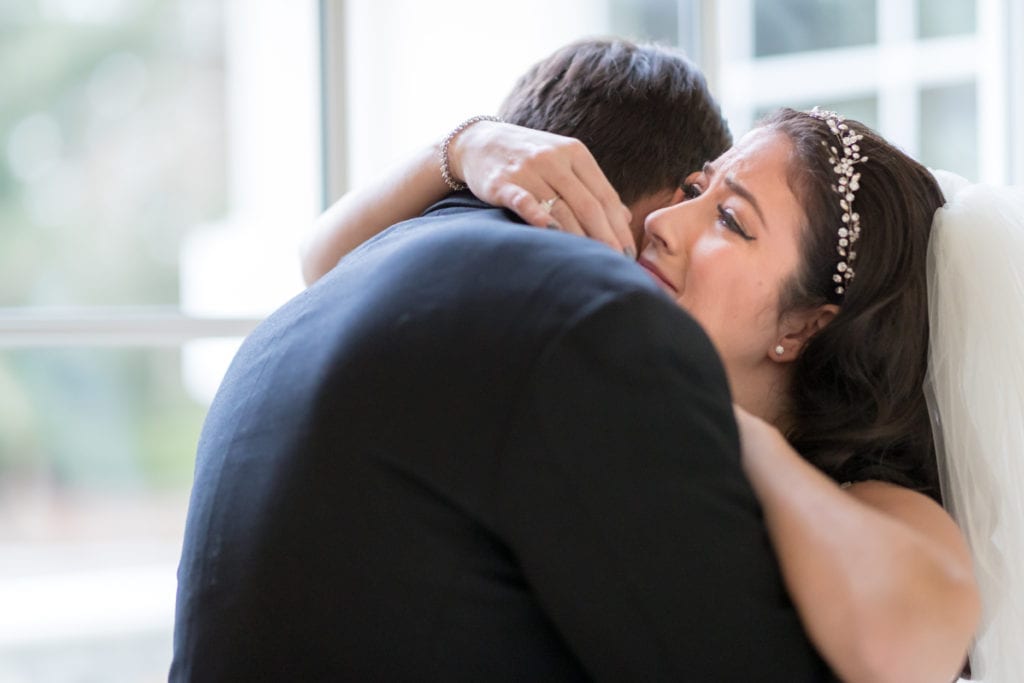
column 644, row 112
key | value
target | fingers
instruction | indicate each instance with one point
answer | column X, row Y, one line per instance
column 604, row 221
column 524, row 203
column 566, row 221
column 578, row 213
column 594, row 180
column 522, row 169
column 534, row 211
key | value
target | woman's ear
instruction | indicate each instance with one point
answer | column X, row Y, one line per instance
column 796, row 329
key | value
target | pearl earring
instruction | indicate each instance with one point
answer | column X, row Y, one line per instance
column 779, row 350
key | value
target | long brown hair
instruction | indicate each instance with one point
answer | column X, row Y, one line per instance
column 858, row 407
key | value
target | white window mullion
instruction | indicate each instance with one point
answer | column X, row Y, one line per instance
column 1015, row 82
column 734, row 43
column 84, row 327
column 993, row 102
column 334, row 106
column 707, row 39
column 898, row 89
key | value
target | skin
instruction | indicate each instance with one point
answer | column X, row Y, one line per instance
column 873, row 571
column 645, row 206
column 880, row 575
column 725, row 254
column 504, row 165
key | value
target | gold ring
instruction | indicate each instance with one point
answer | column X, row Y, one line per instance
column 548, row 203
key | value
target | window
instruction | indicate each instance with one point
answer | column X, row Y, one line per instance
column 914, row 69
column 930, row 76
column 157, row 163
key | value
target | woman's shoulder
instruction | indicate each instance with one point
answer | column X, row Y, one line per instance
column 914, row 509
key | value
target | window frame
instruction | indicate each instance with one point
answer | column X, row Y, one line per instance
column 895, row 69
column 152, row 326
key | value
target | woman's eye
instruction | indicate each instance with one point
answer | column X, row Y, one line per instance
column 729, row 221
column 691, row 190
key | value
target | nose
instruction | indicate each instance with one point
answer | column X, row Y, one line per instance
column 663, row 228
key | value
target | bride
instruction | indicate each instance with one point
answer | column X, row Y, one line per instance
column 857, row 311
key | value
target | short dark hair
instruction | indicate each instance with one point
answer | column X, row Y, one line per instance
column 644, row 111
column 858, row 404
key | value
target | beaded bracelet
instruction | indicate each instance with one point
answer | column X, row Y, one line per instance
column 446, row 172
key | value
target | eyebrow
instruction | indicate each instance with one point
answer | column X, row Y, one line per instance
column 739, row 189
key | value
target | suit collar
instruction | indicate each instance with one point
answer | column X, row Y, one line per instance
column 458, row 200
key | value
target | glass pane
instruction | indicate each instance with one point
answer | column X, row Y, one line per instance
column 949, row 124
column 112, row 144
column 96, row 456
column 647, row 20
column 937, row 18
column 863, row 109
column 785, row 26
column 154, row 149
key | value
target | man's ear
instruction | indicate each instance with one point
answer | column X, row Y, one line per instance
column 796, row 328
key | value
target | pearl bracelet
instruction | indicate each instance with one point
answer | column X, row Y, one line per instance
column 446, row 172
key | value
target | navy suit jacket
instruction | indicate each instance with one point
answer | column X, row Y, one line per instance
column 476, row 451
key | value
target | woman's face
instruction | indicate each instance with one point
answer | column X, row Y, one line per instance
column 726, row 251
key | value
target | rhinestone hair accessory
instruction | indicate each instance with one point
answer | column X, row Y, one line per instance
column 846, row 186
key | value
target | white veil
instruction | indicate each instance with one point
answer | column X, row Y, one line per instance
column 975, row 391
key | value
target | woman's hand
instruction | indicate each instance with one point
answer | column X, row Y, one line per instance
column 506, row 165
column 521, row 169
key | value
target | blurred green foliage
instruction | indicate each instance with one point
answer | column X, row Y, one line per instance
column 112, row 148
column 110, row 420
column 113, row 133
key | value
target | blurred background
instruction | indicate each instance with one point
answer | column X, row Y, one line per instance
column 159, row 160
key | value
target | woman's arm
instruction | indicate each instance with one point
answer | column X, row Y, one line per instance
column 504, row 165
column 880, row 574
column 404, row 193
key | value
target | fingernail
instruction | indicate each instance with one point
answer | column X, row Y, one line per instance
column 554, row 226
column 630, row 252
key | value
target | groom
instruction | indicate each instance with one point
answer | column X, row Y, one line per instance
column 478, row 452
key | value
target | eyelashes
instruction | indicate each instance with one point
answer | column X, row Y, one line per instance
column 729, row 220
column 726, row 217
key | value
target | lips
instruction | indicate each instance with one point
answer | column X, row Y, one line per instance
column 657, row 275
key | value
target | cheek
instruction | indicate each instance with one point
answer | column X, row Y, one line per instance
column 731, row 298
column 708, row 284
column 714, row 278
